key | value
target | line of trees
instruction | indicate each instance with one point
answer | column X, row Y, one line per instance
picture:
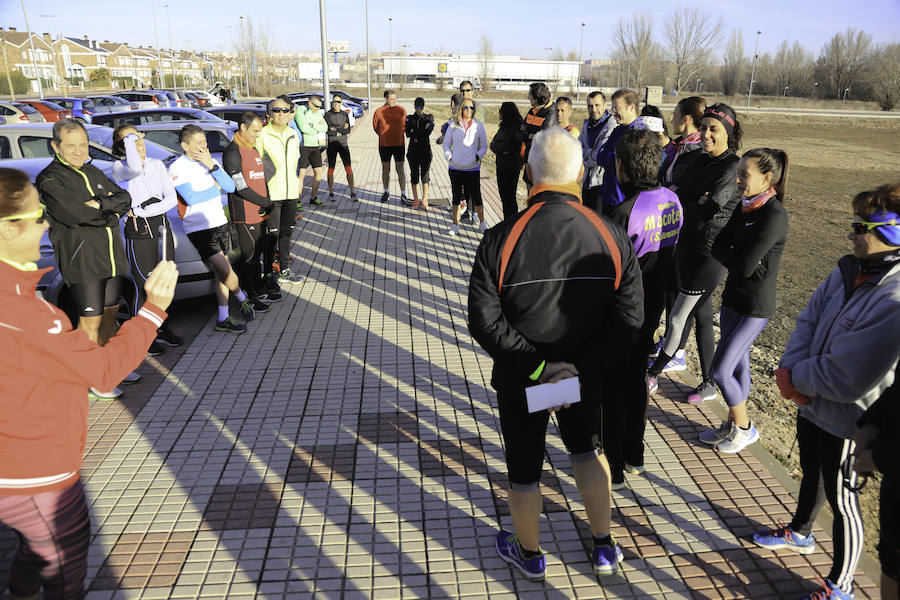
column 692, row 52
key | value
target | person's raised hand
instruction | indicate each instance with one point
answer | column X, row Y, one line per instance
column 160, row 286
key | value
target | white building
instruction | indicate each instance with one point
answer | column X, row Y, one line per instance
column 504, row 72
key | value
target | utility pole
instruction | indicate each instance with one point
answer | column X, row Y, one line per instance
column 753, row 71
column 171, row 49
column 326, row 99
column 33, row 58
column 391, row 49
column 12, row 92
column 368, row 60
column 159, row 76
column 245, row 76
column 580, row 48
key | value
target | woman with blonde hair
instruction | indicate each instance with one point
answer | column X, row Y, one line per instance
column 465, row 144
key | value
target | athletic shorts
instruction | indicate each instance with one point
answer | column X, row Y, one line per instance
column 419, row 166
column 889, row 544
column 211, row 241
column 388, row 152
column 310, row 156
column 92, row 296
column 524, row 433
column 333, row 150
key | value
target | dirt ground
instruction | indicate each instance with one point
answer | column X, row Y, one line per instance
column 832, row 159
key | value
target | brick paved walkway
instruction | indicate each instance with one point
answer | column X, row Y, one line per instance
column 348, row 446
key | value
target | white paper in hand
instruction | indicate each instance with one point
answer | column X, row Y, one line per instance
column 548, row 395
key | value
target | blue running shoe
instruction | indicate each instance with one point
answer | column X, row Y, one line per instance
column 509, row 549
column 606, row 558
column 677, row 363
column 829, row 591
column 785, row 537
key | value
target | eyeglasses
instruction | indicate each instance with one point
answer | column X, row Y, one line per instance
column 467, row 107
column 466, row 90
column 37, row 215
column 315, row 106
column 282, row 110
column 862, row 227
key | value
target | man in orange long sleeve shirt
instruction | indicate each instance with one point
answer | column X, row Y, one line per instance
column 389, row 122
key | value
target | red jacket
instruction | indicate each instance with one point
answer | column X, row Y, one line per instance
column 390, row 124
column 45, row 374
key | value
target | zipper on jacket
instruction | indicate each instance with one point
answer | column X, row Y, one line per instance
column 112, row 261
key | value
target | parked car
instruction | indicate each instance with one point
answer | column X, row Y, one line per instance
column 33, row 141
column 301, row 101
column 145, row 98
column 110, row 104
column 196, row 98
column 211, row 99
column 172, row 98
column 233, row 112
column 19, row 111
column 355, row 99
column 150, row 115
column 82, row 108
column 51, row 111
column 165, row 133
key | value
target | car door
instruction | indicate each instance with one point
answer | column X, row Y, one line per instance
column 5, row 147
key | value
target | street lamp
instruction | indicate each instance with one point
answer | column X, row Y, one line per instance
column 391, row 49
column 815, row 87
column 171, row 48
column 37, row 73
column 592, row 70
column 580, row 48
column 784, row 93
column 245, row 75
column 846, row 91
column 52, row 47
column 753, row 71
column 368, row 60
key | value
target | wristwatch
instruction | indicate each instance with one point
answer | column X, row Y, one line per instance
column 214, row 169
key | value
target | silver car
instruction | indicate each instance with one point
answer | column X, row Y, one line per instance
column 18, row 111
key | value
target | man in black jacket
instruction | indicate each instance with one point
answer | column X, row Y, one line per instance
column 338, row 123
column 559, row 298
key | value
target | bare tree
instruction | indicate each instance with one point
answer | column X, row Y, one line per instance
column 253, row 47
column 733, row 63
column 486, row 61
column 842, row 58
column 634, row 47
column 691, row 35
column 885, row 75
column 792, row 68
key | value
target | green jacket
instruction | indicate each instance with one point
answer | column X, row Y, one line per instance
column 312, row 125
column 284, row 151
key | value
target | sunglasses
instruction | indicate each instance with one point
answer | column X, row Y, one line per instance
column 37, row 215
column 466, row 90
column 467, row 107
column 863, row 227
column 282, row 110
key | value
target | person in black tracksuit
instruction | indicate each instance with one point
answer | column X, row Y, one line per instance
column 507, row 148
column 249, row 208
column 541, row 115
column 708, row 196
column 878, row 449
column 569, row 299
column 419, row 126
column 338, row 123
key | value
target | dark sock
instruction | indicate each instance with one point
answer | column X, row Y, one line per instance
column 606, row 540
column 526, row 554
column 747, row 428
column 659, row 364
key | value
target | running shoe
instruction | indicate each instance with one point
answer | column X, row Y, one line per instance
column 353, row 197
column 785, row 537
column 483, row 227
column 385, row 197
column 475, row 220
column 155, row 349
column 316, row 202
column 606, row 558
column 231, row 325
column 112, row 394
column 271, row 296
column 509, row 549
column 617, row 481
column 714, row 436
column 634, row 469
column 703, row 392
column 454, row 230
column 247, row 310
column 738, row 439
column 830, row 591
column 677, row 363
column 259, row 306
column 331, row 196
column 654, row 352
column 131, row 378
column 404, row 200
column 165, row 336
column 652, row 384
column 299, row 206
column 286, row 276
column 270, row 283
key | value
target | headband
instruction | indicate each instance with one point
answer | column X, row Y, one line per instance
column 890, row 234
column 654, row 124
column 724, row 118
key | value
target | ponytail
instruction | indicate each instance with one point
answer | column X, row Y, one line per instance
column 776, row 162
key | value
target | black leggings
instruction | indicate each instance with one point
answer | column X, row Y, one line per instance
column 821, row 458
column 91, row 297
column 280, row 226
column 253, row 244
column 466, row 184
column 419, row 166
column 143, row 256
column 507, row 181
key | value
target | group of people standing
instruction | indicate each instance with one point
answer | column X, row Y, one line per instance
column 692, row 213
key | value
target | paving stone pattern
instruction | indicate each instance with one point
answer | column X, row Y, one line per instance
column 348, row 446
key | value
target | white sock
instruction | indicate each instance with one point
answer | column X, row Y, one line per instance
column 240, row 295
column 223, row 313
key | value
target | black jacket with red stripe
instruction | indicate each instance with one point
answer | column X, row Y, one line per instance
column 246, row 167
column 558, row 301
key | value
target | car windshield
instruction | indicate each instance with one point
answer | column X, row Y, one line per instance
column 52, row 105
column 87, row 104
column 25, row 108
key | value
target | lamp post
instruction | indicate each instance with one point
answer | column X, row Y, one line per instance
column 784, row 93
column 368, row 60
column 159, row 75
column 592, row 71
column 846, row 92
column 815, row 87
column 33, row 58
column 580, row 49
column 323, row 32
column 53, row 48
column 753, row 71
column 697, row 86
column 171, row 48
column 391, row 49
column 245, row 75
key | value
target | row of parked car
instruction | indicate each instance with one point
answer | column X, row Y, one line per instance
column 25, row 145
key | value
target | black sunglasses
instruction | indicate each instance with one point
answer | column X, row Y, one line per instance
column 466, row 90
column 467, row 107
column 282, row 110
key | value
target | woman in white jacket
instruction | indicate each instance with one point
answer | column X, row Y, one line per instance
column 465, row 144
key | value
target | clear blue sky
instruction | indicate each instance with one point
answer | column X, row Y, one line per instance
column 525, row 28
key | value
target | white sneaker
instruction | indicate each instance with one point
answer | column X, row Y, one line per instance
column 131, row 378
column 475, row 220
column 483, row 227
column 634, row 469
column 738, row 439
column 454, row 229
column 714, row 436
column 110, row 395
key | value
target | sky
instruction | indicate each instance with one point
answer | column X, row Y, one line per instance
column 526, row 28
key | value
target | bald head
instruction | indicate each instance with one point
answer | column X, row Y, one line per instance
column 555, row 157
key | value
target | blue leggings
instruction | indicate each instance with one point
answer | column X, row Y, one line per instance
column 731, row 362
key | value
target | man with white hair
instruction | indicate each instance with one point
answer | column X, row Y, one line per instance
column 555, row 293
